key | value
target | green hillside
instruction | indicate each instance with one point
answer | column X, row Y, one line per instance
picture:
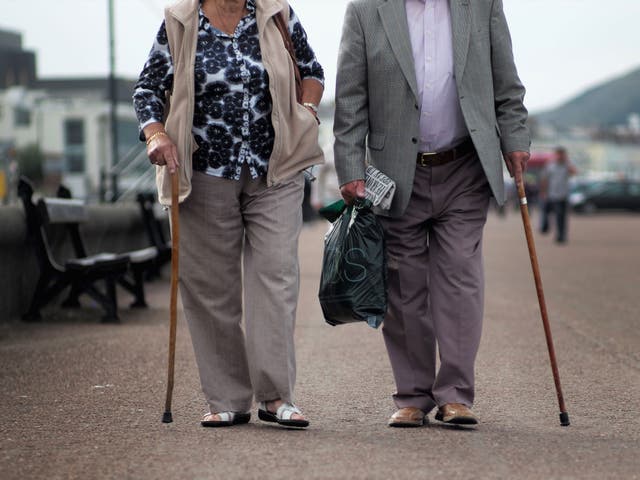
column 605, row 105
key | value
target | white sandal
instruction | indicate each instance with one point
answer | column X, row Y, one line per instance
column 282, row 416
column 227, row 419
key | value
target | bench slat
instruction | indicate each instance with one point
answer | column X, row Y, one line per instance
column 92, row 260
column 59, row 210
column 142, row 255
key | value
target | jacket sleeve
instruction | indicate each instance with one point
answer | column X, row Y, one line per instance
column 351, row 122
column 509, row 92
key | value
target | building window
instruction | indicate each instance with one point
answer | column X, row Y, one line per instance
column 74, row 148
column 21, row 117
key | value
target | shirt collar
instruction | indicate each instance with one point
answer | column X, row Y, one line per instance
column 251, row 6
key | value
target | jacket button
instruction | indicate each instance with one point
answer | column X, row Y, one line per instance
column 414, row 140
column 417, row 107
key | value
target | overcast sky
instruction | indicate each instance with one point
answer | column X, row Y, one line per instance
column 561, row 46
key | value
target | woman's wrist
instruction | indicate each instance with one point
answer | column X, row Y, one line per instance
column 311, row 106
column 313, row 109
column 155, row 135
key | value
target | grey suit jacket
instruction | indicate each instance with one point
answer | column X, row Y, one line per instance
column 377, row 113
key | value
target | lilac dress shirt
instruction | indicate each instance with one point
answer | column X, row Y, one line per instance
column 442, row 125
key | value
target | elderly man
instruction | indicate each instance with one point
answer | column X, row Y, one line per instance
column 427, row 92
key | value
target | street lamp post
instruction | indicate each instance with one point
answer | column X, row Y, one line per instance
column 113, row 104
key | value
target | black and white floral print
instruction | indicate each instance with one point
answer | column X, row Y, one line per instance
column 232, row 117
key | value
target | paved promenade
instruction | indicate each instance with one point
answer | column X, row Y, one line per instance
column 82, row 400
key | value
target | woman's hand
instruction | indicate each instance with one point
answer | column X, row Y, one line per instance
column 311, row 110
column 311, row 95
column 163, row 152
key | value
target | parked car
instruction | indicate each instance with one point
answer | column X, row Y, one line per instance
column 606, row 195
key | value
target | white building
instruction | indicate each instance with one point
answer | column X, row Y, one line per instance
column 69, row 121
column 67, row 118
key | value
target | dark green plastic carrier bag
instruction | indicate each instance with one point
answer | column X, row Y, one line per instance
column 353, row 285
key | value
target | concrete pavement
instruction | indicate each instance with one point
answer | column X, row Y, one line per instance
column 84, row 400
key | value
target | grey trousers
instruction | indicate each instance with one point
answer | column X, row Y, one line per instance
column 239, row 245
column 436, row 285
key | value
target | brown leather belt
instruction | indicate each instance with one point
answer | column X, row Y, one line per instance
column 427, row 159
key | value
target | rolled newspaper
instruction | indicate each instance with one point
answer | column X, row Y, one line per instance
column 379, row 188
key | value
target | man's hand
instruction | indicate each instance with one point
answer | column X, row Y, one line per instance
column 162, row 151
column 517, row 164
column 352, row 191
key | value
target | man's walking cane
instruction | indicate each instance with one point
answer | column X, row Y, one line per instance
column 173, row 305
column 524, row 209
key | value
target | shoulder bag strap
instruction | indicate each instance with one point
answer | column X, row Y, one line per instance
column 281, row 24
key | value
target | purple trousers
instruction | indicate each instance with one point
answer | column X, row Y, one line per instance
column 436, row 285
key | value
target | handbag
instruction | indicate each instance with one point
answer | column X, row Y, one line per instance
column 281, row 23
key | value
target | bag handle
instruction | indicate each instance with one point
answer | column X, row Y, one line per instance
column 281, row 24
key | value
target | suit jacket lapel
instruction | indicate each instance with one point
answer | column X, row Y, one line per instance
column 394, row 20
column 461, row 24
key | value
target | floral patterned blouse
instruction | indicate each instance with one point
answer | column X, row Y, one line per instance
column 232, row 116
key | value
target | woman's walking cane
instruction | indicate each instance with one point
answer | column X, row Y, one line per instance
column 524, row 209
column 173, row 306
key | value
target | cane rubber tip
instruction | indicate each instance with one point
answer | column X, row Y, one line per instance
column 564, row 419
column 167, row 417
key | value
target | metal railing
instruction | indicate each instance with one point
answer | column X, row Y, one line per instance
column 133, row 174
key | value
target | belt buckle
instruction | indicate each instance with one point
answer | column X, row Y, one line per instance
column 424, row 158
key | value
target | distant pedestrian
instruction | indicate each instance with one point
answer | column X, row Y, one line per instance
column 554, row 194
column 235, row 119
column 428, row 93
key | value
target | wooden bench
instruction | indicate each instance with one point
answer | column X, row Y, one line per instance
column 141, row 261
column 82, row 274
column 155, row 229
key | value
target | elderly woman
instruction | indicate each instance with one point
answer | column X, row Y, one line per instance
column 217, row 105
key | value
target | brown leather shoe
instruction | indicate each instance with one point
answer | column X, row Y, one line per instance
column 456, row 414
column 407, row 417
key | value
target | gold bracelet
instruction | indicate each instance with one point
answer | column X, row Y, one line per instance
column 157, row 134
